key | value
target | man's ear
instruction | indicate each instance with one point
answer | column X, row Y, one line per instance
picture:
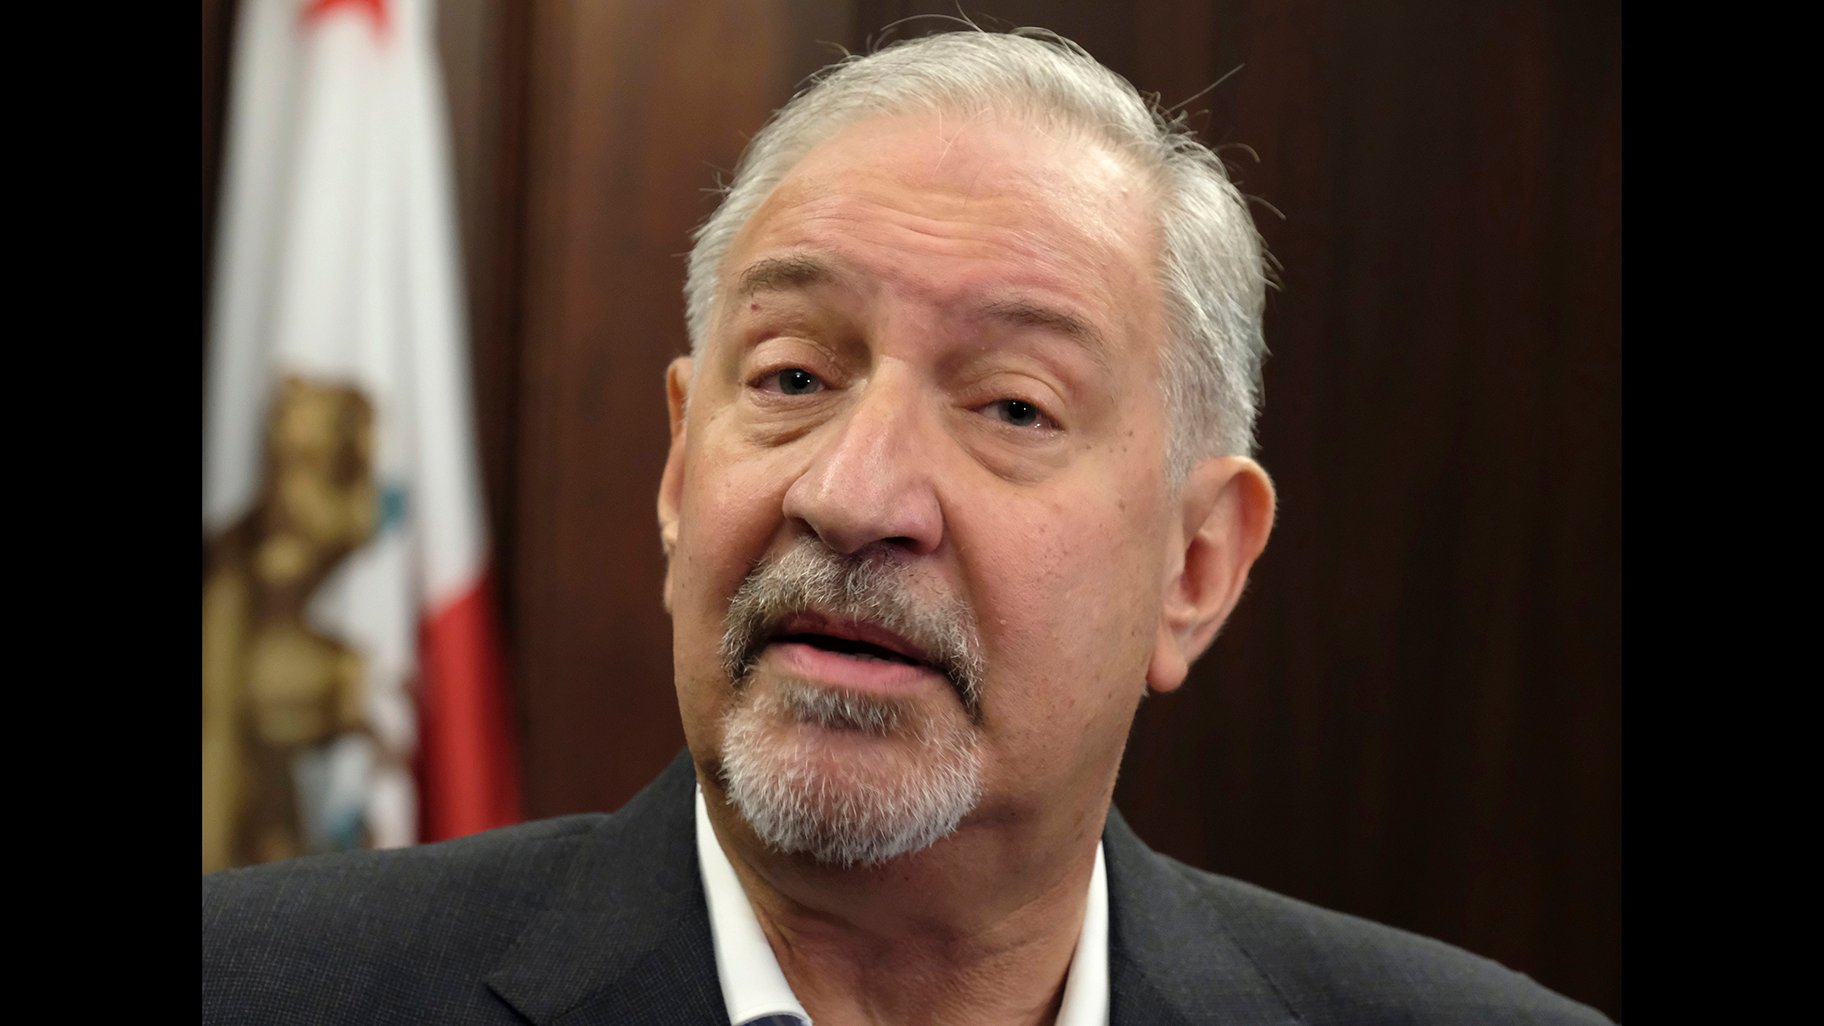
column 1226, row 510
column 671, row 483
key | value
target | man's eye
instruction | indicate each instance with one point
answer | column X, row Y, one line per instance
column 1018, row 413
column 793, row 381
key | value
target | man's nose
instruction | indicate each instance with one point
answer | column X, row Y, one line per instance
column 872, row 478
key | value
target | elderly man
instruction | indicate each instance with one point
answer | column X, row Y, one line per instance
column 959, row 470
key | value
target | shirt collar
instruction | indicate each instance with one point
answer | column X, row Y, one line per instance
column 753, row 987
column 1086, row 988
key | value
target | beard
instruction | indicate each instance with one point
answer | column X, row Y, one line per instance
column 905, row 774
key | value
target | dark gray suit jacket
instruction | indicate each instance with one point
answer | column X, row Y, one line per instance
column 600, row 919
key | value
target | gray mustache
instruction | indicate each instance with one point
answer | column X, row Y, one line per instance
column 812, row 578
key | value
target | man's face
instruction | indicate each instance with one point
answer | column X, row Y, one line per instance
column 932, row 385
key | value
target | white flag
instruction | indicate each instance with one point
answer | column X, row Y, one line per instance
column 352, row 685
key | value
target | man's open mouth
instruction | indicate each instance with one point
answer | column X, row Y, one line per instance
column 849, row 638
column 851, row 624
column 848, row 647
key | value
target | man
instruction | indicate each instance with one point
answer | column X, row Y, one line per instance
column 959, row 470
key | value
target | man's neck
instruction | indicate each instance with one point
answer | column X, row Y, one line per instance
column 932, row 937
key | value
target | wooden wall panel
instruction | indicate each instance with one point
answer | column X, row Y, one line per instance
column 1415, row 714
column 482, row 45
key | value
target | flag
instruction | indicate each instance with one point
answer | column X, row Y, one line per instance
column 353, row 691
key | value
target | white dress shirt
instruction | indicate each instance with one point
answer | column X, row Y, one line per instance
column 754, row 989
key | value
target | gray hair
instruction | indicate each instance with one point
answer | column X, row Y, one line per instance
column 1211, row 269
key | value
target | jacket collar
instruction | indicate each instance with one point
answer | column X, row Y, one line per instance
column 626, row 936
column 1172, row 955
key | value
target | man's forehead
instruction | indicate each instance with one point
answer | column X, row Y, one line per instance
column 996, row 218
column 806, row 271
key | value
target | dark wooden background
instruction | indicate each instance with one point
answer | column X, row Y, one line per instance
column 1415, row 714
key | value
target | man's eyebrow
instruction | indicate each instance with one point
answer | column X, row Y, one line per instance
column 1025, row 313
column 780, row 273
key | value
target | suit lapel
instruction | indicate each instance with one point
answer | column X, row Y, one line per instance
column 626, row 937
column 1172, row 959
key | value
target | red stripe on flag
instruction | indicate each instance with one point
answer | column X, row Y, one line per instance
column 468, row 768
column 375, row 9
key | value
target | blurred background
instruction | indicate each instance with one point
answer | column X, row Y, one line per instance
column 1415, row 714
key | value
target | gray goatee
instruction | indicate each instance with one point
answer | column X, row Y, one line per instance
column 874, row 806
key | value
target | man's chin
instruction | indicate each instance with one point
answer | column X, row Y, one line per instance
column 846, row 779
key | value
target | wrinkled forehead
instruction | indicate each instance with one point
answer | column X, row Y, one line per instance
column 980, row 201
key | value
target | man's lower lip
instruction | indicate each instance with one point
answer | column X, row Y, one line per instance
column 857, row 673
